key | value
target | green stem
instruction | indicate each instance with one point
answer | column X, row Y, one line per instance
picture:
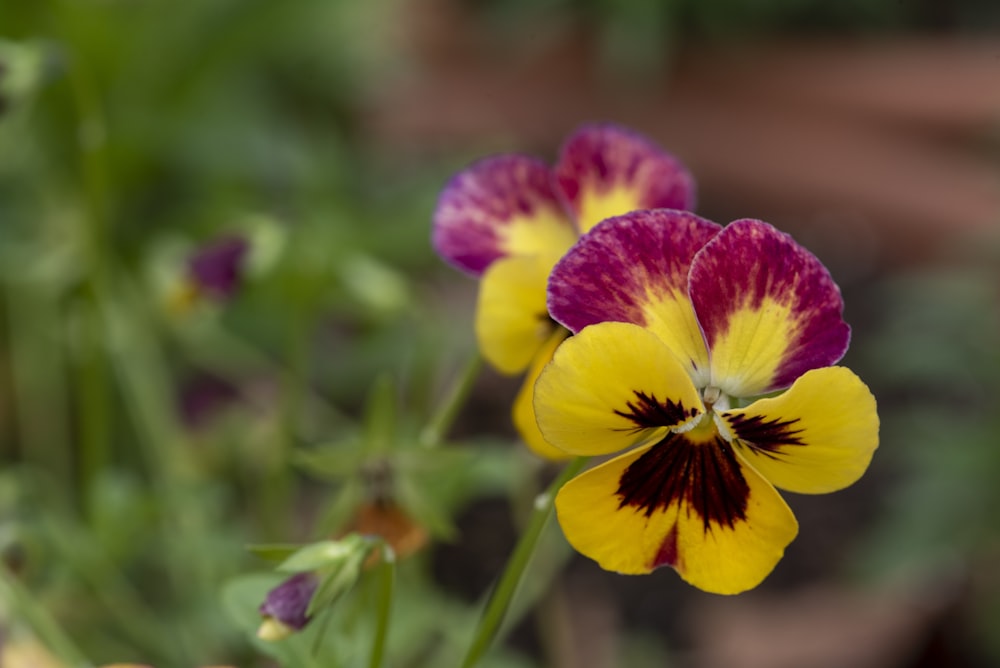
column 221, row 351
column 444, row 418
column 277, row 486
column 93, row 397
column 142, row 372
column 502, row 595
column 387, row 577
column 38, row 376
column 93, row 383
column 48, row 631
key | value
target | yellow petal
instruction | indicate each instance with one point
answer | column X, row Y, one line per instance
column 512, row 323
column 610, row 387
column 818, row 436
column 689, row 504
column 524, row 409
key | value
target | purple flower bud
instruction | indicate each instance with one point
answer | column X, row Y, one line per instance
column 217, row 267
column 288, row 602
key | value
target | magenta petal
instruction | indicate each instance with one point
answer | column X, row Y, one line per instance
column 625, row 265
column 217, row 267
column 288, row 603
column 607, row 161
column 767, row 306
column 478, row 209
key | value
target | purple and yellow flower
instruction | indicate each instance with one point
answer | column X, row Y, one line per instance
column 216, row 269
column 285, row 610
column 507, row 219
column 213, row 272
column 706, row 354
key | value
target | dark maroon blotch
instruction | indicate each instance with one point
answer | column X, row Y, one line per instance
column 668, row 554
column 648, row 412
column 765, row 436
column 705, row 476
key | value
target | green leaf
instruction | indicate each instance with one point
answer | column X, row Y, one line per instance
column 337, row 581
column 380, row 416
column 332, row 461
column 274, row 551
column 324, row 554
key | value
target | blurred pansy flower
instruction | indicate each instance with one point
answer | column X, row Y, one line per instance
column 285, row 610
column 507, row 219
column 216, row 269
column 706, row 353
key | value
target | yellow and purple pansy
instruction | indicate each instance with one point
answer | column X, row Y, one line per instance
column 706, row 354
column 507, row 219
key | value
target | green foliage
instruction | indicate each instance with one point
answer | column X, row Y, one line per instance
column 936, row 368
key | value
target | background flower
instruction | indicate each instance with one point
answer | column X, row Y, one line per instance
column 507, row 219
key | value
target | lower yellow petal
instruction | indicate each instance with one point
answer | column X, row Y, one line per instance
column 718, row 523
column 524, row 409
column 512, row 322
column 818, row 436
column 610, row 387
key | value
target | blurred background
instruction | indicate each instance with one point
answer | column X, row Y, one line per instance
column 221, row 322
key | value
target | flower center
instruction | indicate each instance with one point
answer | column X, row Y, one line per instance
column 709, row 425
column 715, row 399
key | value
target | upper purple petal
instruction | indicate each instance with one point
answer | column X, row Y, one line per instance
column 625, row 266
column 478, row 208
column 758, row 294
column 599, row 159
column 289, row 601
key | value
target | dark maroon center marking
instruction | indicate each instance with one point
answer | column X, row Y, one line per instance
column 667, row 554
column 765, row 436
column 705, row 476
column 647, row 411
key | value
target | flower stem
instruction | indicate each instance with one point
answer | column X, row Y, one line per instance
column 387, row 578
column 444, row 417
column 502, row 595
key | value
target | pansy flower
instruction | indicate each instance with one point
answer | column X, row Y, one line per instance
column 705, row 353
column 216, row 269
column 507, row 219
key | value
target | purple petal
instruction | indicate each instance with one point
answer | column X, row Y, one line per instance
column 634, row 268
column 616, row 268
column 605, row 170
column 768, row 308
column 289, row 601
column 218, row 267
column 499, row 206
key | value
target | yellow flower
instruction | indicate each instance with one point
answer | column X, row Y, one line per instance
column 681, row 327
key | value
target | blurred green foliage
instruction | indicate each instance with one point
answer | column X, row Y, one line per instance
column 131, row 134
column 935, row 361
column 146, row 439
